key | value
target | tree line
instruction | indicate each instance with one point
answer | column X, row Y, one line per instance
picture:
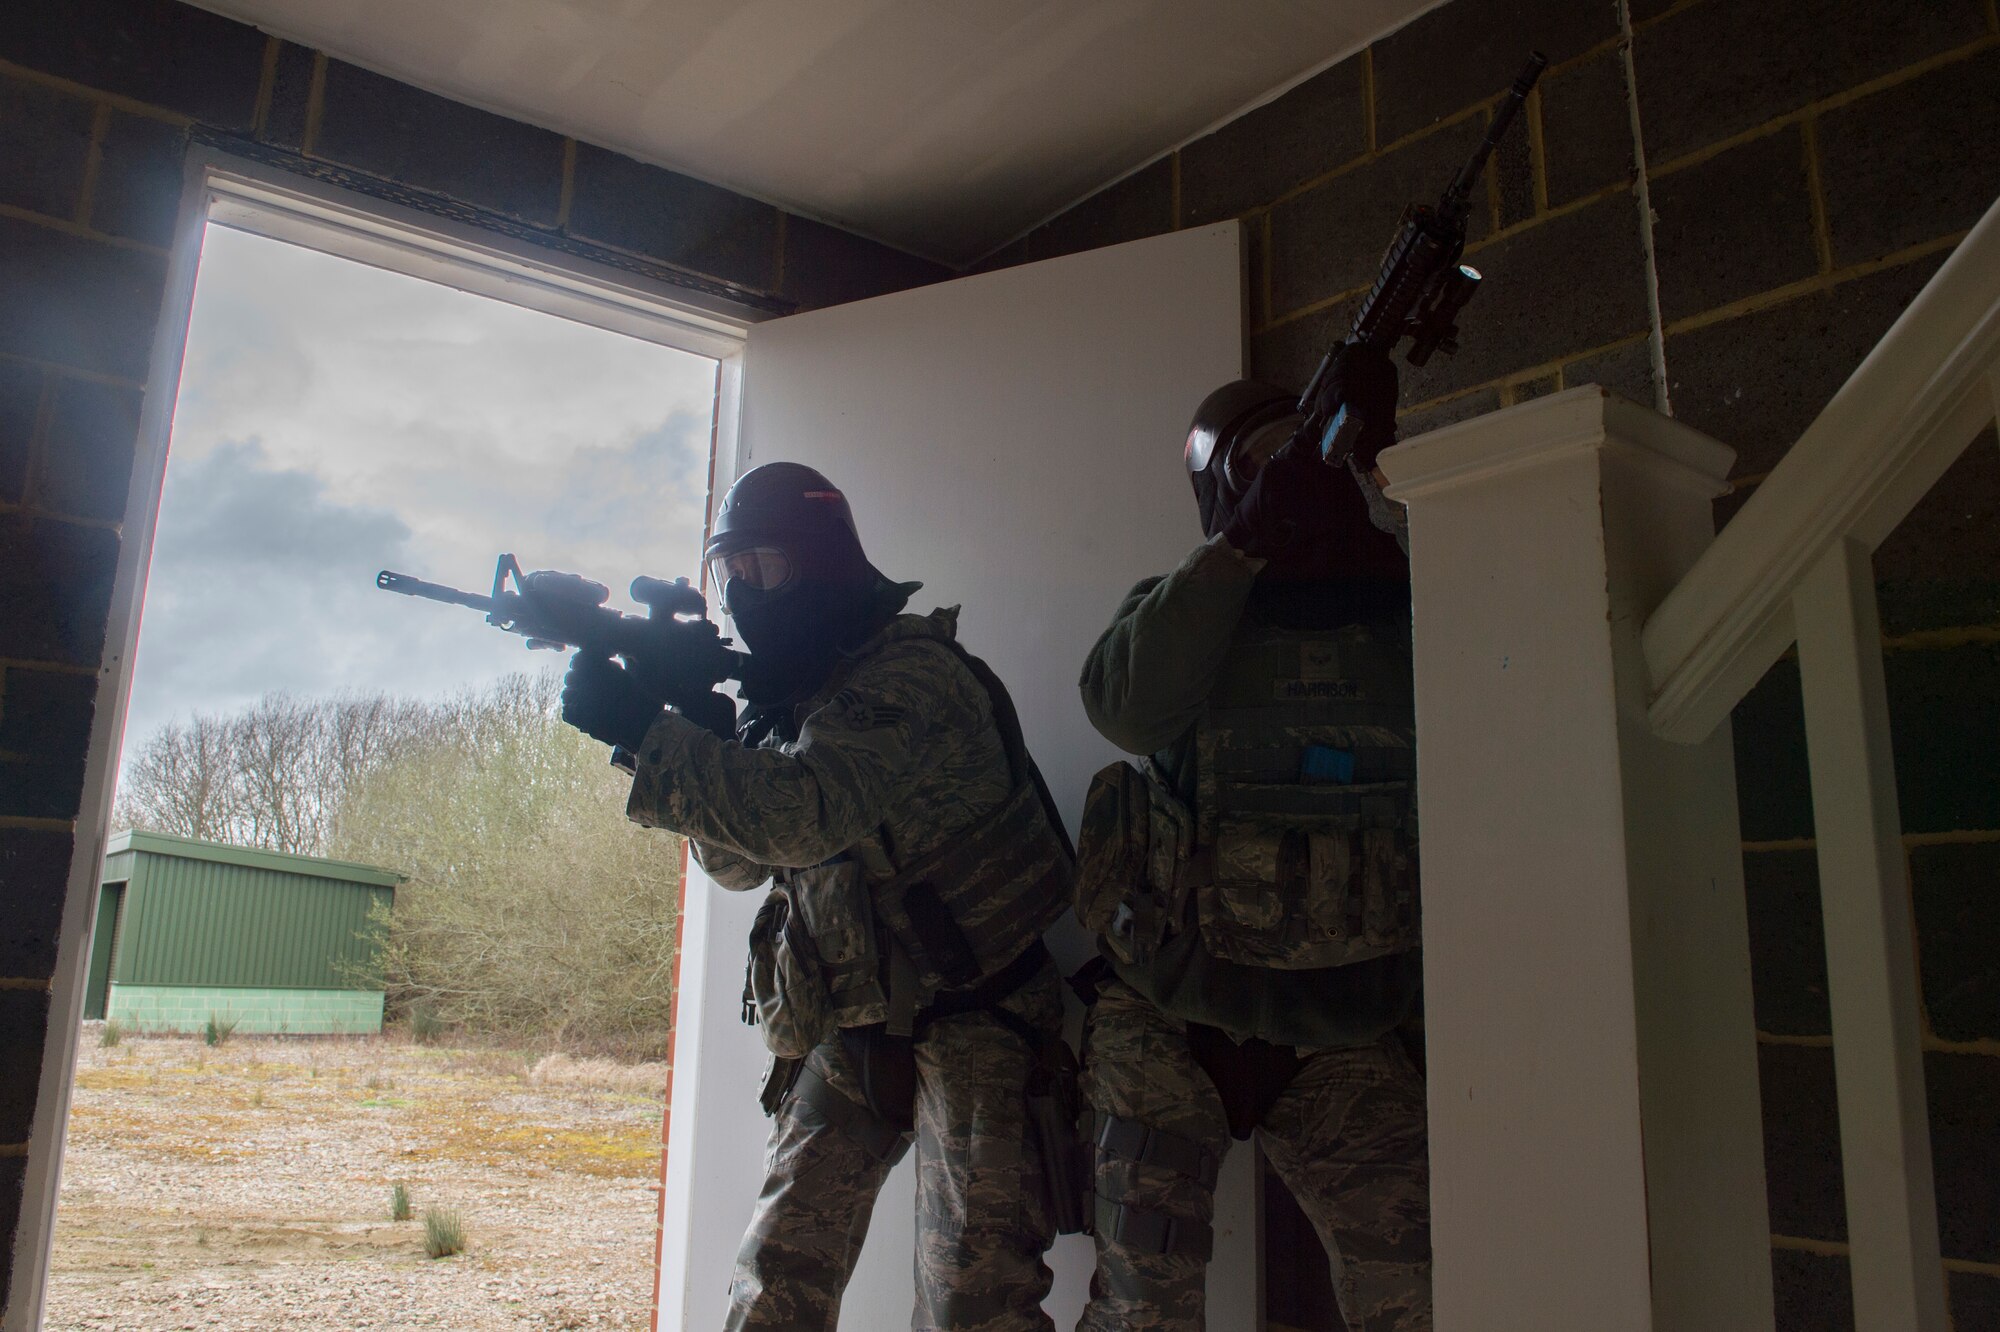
column 532, row 909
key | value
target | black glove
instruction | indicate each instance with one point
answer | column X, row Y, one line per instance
column 603, row 701
column 1293, row 494
column 715, row 711
column 1363, row 380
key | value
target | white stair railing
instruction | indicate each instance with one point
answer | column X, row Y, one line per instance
column 1582, row 635
column 1901, row 419
column 1795, row 566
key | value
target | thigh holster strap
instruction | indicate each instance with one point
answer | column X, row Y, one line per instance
column 877, row 1136
column 1153, row 1232
column 1132, row 1140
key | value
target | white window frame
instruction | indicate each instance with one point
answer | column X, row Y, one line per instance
column 270, row 201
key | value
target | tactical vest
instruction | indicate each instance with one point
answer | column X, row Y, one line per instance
column 1300, row 849
column 834, row 948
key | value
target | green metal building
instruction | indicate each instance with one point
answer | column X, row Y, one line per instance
column 272, row 942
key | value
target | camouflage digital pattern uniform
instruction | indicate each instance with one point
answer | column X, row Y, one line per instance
column 981, row 1223
column 897, row 754
column 1348, row 1135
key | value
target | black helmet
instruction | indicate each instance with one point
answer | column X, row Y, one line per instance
column 1234, row 432
column 780, row 525
column 782, row 501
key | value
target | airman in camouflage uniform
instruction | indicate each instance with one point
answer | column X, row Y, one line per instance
column 1254, row 893
column 890, row 754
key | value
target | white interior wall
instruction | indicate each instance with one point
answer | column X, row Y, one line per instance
column 1012, row 439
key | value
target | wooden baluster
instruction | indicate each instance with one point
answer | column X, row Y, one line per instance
column 1885, row 1142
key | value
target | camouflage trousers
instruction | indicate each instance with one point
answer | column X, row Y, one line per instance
column 982, row 1220
column 1347, row 1136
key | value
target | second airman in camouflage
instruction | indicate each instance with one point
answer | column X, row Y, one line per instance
column 1253, row 887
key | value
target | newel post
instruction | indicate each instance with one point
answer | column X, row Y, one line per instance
column 1596, row 1148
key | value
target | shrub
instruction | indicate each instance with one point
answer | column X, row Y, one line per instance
column 444, row 1233
column 425, row 1025
column 218, row 1028
column 111, row 1035
column 399, row 1204
column 534, row 909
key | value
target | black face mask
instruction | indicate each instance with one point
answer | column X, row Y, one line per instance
column 796, row 634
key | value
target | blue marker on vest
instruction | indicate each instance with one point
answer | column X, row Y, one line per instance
column 1324, row 763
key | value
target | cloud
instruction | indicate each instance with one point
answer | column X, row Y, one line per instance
column 335, row 419
column 342, row 367
column 232, row 508
column 258, row 581
column 626, row 496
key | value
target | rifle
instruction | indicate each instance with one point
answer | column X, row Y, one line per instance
column 673, row 648
column 1418, row 293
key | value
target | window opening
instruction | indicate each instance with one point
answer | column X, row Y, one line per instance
column 241, row 1135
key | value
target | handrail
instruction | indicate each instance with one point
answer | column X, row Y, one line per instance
column 1879, row 446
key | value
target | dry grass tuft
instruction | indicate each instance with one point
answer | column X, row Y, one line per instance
column 560, row 1070
column 444, row 1233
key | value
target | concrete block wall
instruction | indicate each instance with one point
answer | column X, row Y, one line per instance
column 99, row 100
column 1809, row 163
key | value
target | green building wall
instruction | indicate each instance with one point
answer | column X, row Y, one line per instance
column 266, row 941
column 246, row 1009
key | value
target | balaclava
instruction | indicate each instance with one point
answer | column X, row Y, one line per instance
column 789, row 565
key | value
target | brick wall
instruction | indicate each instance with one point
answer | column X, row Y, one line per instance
column 99, row 100
column 1810, row 163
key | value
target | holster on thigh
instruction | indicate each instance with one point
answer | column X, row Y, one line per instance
column 780, row 1075
column 886, row 1067
column 874, row 1134
column 1117, row 1218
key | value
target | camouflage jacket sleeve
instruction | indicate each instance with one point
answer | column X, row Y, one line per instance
column 805, row 802
column 732, row 871
column 1144, row 683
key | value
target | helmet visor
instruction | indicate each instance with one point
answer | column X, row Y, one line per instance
column 1246, row 456
column 765, row 568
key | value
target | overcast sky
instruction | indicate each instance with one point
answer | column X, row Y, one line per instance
column 336, row 419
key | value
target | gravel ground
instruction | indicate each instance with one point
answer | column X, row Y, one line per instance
column 247, row 1186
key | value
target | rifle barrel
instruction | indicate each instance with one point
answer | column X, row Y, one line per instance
column 1503, row 116
column 390, row 581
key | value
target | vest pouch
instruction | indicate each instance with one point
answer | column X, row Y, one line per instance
column 784, row 990
column 976, row 903
column 1169, row 846
column 836, row 910
column 1257, row 868
column 1293, row 897
column 1364, row 898
column 1388, row 887
column 1112, row 844
column 1131, row 860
